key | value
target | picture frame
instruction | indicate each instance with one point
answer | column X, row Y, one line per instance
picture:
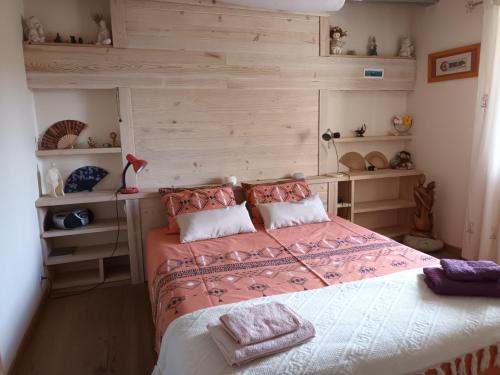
column 456, row 63
column 373, row 73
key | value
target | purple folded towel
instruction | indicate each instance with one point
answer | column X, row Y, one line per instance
column 258, row 323
column 436, row 280
column 466, row 270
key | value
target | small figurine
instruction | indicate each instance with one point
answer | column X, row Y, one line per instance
column 423, row 220
column 360, row 131
column 103, row 35
column 402, row 160
column 407, row 48
column 34, row 31
column 72, row 39
column 337, row 43
column 80, row 40
column 113, row 137
column 91, row 142
column 58, row 38
column 372, row 46
column 55, row 181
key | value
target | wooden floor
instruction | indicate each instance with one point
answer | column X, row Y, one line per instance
column 103, row 332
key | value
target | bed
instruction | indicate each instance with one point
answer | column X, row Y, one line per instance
column 308, row 267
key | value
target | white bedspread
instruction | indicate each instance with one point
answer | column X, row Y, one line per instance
column 386, row 325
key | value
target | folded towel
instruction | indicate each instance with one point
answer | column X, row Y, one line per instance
column 237, row 355
column 467, row 270
column 260, row 323
column 436, row 280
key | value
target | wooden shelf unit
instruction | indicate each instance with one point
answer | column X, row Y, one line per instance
column 83, row 253
column 98, row 226
column 379, row 200
column 79, row 151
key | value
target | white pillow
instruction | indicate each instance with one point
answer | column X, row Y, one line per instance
column 214, row 223
column 288, row 214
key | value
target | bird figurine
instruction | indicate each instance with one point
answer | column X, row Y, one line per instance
column 360, row 131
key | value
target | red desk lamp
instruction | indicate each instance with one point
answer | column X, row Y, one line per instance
column 138, row 166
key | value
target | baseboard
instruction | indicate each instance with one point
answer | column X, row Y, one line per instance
column 29, row 331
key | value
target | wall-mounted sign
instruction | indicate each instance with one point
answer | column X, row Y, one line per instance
column 374, row 73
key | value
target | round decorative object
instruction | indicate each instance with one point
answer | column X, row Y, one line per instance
column 354, row 161
column 61, row 135
column 425, row 244
column 402, row 124
column 377, row 159
column 84, row 179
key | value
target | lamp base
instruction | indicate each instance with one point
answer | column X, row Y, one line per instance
column 129, row 190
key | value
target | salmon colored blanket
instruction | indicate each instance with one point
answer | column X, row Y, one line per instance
column 184, row 278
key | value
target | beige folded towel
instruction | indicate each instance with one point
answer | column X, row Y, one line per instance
column 260, row 323
column 237, row 355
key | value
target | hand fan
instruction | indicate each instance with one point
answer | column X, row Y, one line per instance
column 61, row 135
column 84, row 179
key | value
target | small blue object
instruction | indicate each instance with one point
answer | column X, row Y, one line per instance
column 84, row 179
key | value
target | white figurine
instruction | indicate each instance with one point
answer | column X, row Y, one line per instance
column 407, row 48
column 103, row 35
column 34, row 31
column 55, row 181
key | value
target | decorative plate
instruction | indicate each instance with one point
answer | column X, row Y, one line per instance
column 61, row 135
column 377, row 159
column 354, row 161
column 84, row 179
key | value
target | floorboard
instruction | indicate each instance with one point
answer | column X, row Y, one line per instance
column 107, row 331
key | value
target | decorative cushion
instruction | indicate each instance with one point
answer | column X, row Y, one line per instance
column 221, row 222
column 179, row 201
column 288, row 214
column 282, row 191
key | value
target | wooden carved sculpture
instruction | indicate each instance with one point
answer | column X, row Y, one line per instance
column 423, row 219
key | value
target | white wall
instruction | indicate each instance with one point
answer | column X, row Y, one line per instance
column 388, row 23
column 68, row 17
column 444, row 112
column 20, row 254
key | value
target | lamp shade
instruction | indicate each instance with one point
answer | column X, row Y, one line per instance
column 137, row 164
column 291, row 5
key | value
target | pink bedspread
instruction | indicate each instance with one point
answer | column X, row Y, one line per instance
column 184, row 278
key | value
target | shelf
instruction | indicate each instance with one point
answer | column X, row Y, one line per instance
column 82, row 198
column 79, row 151
column 383, row 138
column 98, row 226
column 343, row 205
column 89, row 253
column 382, row 205
column 392, row 232
column 117, row 273
column 383, row 173
column 72, row 279
column 372, row 57
column 52, row 44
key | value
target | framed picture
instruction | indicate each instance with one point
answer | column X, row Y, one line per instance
column 454, row 63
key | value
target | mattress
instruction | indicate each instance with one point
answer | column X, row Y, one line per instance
column 184, row 278
column 189, row 279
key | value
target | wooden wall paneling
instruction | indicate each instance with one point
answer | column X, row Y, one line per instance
column 98, row 67
column 127, row 131
column 322, row 191
column 200, row 136
column 135, row 240
column 327, row 162
column 118, row 23
column 222, row 3
column 324, row 36
column 166, row 25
